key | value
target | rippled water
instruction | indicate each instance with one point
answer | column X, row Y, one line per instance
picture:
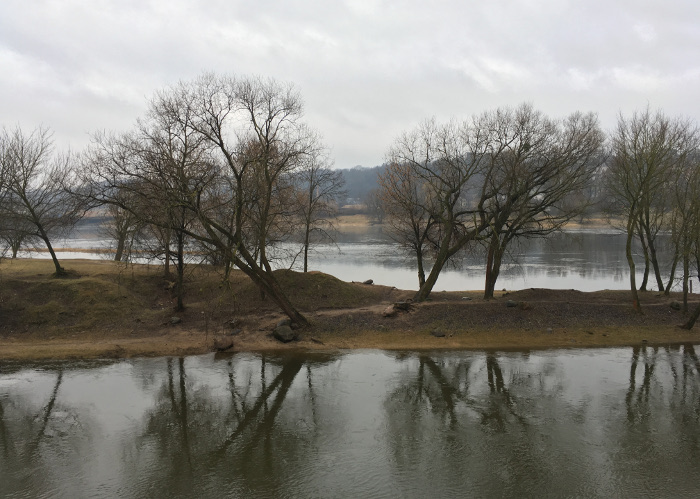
column 592, row 423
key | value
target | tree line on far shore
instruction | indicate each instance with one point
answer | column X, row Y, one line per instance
column 226, row 164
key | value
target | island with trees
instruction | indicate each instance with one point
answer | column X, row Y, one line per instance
column 222, row 168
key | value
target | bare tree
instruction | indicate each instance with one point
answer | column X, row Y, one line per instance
column 687, row 234
column 254, row 139
column 123, row 227
column 685, row 219
column 502, row 175
column 408, row 213
column 374, row 205
column 152, row 174
column 538, row 165
column 447, row 161
column 646, row 149
column 319, row 188
column 15, row 230
column 34, row 182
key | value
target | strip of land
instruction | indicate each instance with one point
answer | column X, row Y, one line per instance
column 108, row 309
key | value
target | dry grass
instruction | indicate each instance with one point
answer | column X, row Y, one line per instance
column 107, row 309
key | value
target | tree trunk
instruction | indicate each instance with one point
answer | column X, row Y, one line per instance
column 421, row 270
column 262, row 277
column 692, row 319
column 645, row 249
column 446, row 252
column 180, row 282
column 120, row 248
column 686, row 278
column 655, row 264
column 306, row 246
column 493, row 267
column 59, row 270
column 671, row 276
column 269, row 285
column 262, row 290
column 440, row 261
column 630, row 262
column 166, row 249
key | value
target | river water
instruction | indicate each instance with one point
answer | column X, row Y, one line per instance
column 587, row 260
column 621, row 422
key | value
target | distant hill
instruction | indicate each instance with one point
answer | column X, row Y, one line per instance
column 360, row 181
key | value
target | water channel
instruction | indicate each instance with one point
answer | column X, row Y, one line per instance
column 621, row 422
column 587, row 260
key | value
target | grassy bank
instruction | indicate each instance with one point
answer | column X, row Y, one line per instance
column 104, row 309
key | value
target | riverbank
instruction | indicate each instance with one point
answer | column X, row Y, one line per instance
column 106, row 309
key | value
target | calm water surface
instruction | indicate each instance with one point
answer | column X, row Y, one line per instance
column 589, row 423
column 587, row 260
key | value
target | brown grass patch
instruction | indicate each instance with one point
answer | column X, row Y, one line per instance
column 108, row 309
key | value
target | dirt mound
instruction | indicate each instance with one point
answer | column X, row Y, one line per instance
column 311, row 291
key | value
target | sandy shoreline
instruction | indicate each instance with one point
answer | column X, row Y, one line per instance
column 195, row 343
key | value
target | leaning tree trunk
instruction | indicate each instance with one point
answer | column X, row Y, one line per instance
column 493, row 267
column 655, row 264
column 59, row 270
column 692, row 319
column 645, row 250
column 44, row 236
column 674, row 264
column 440, row 260
column 446, row 252
column 269, row 285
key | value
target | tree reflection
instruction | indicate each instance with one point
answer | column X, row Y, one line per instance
column 645, row 392
column 201, row 435
column 637, row 399
column 37, row 433
column 595, row 423
column 33, row 427
column 477, row 422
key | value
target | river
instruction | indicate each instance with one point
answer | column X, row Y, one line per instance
column 586, row 260
column 621, row 422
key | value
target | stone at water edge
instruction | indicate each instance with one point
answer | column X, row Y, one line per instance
column 438, row 333
column 222, row 343
column 285, row 334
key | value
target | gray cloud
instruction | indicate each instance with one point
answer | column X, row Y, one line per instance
column 367, row 69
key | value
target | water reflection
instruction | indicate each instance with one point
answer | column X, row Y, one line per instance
column 586, row 260
column 617, row 422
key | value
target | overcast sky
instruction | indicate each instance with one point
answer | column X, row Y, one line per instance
column 366, row 70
